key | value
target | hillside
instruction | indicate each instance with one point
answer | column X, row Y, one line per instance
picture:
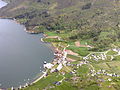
column 91, row 19
column 92, row 12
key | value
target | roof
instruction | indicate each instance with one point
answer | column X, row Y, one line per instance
column 59, row 67
column 48, row 65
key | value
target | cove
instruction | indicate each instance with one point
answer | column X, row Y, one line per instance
column 21, row 54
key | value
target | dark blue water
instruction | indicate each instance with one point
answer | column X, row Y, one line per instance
column 21, row 54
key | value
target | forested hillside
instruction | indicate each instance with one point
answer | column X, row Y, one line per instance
column 97, row 20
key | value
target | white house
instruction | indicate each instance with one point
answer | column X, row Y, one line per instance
column 59, row 67
column 48, row 65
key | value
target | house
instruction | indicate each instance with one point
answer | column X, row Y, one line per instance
column 59, row 67
column 48, row 65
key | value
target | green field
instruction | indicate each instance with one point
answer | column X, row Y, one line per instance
column 82, row 51
column 45, row 82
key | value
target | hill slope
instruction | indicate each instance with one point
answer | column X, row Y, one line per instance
column 91, row 18
column 93, row 11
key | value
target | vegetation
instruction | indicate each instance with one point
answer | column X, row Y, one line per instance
column 45, row 82
column 97, row 21
column 82, row 51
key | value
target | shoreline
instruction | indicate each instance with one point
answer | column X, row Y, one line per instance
column 44, row 71
column 30, row 31
column 41, row 74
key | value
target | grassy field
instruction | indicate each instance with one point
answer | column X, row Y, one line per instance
column 101, row 66
column 45, row 82
column 111, row 53
column 117, row 58
column 74, row 57
column 83, row 70
column 115, row 66
column 65, row 86
column 82, row 51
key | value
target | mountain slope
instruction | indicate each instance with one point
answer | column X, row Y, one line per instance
column 90, row 18
column 92, row 10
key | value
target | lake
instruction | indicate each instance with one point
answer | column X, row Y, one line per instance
column 21, row 54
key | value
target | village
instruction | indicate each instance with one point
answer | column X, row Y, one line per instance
column 62, row 61
column 69, row 66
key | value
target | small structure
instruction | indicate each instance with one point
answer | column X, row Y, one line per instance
column 59, row 67
column 65, row 55
column 57, row 83
column 109, row 79
column 20, row 87
column 12, row 88
column 48, row 65
column 52, row 70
